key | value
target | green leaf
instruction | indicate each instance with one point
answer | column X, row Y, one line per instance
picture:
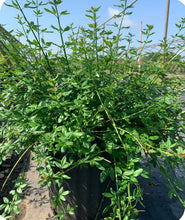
column 89, row 16
column 12, row 192
column 2, row 206
column 55, row 28
column 99, row 166
column 49, row 11
column 153, row 138
column 15, row 5
column 128, row 173
column 144, row 175
column 103, row 175
column 171, row 193
column 63, row 161
column 58, row 164
column 8, row 209
column 61, row 190
column 62, row 198
column 96, row 9
column 66, row 177
column 71, row 212
column 78, row 134
column 133, row 179
column 43, row 183
column 138, row 172
column 27, row 5
column 168, row 100
column 65, row 193
column 106, row 210
column 19, row 190
column 64, row 13
column 12, row 6
column 57, row 2
column 6, row 200
column 16, row 210
column 112, row 174
column 17, row 202
column 55, row 204
column 66, row 28
column 53, row 10
column 23, row 185
column 108, row 195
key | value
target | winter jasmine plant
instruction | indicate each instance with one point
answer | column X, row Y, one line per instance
column 89, row 106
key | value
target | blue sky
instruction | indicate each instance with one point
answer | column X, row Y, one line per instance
column 150, row 12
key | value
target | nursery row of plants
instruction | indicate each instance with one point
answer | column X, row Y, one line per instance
column 89, row 113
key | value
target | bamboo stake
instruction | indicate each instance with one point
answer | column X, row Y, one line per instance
column 117, row 14
column 141, row 27
column 166, row 28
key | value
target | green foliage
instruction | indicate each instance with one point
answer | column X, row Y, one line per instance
column 176, row 66
column 91, row 105
column 172, row 53
column 10, row 206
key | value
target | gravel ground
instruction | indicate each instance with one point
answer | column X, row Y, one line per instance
column 35, row 204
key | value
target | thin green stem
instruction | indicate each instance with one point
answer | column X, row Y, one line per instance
column 26, row 36
column 178, row 53
column 95, row 38
column 101, row 202
column 61, row 35
column 36, row 38
column 120, row 25
column 118, row 197
column 38, row 25
column 110, row 118
column 171, row 184
column 145, row 42
column 12, row 55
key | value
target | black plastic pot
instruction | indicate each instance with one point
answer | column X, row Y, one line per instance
column 86, row 193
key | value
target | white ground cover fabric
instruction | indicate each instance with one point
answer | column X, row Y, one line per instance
column 183, row 217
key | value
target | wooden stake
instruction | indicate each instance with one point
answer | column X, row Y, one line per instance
column 166, row 28
column 140, row 45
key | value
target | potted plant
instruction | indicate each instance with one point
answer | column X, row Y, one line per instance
column 90, row 115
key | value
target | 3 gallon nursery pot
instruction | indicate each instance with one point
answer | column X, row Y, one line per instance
column 86, row 192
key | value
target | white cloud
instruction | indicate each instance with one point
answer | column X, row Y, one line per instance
column 113, row 11
column 183, row 1
column 126, row 21
column 1, row 3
